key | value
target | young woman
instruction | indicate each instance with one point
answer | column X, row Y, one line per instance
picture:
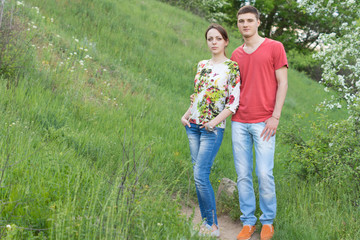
column 216, row 96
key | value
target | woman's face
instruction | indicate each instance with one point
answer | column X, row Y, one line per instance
column 216, row 42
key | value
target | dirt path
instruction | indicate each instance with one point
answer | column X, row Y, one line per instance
column 229, row 229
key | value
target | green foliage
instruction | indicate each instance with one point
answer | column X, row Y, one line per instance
column 282, row 20
column 308, row 210
column 67, row 142
column 15, row 50
column 303, row 61
column 198, row 7
column 330, row 156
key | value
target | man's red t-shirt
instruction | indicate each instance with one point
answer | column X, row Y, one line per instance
column 258, row 81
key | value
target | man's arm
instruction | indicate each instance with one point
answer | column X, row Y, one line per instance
column 273, row 122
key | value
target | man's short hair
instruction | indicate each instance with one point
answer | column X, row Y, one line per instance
column 249, row 9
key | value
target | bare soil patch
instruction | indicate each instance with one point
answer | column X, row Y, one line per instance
column 229, row 228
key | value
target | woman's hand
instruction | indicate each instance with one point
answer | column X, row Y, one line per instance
column 185, row 121
column 207, row 125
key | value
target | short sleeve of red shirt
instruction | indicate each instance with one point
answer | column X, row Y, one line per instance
column 258, row 80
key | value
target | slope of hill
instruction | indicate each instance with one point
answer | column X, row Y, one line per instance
column 92, row 145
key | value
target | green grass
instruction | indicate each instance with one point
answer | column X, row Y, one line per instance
column 69, row 134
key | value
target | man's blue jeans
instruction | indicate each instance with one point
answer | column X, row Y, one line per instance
column 204, row 146
column 244, row 137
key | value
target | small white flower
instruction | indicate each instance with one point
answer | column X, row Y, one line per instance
column 8, row 227
column 34, row 26
column 75, row 53
column 76, row 40
column 18, row 3
column 51, row 19
column 85, row 50
column 37, row 9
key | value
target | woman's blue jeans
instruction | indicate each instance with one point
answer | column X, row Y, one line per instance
column 244, row 137
column 204, row 146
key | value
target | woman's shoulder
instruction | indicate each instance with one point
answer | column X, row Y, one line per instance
column 202, row 63
column 231, row 64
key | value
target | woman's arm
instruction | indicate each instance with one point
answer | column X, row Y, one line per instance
column 185, row 117
column 219, row 118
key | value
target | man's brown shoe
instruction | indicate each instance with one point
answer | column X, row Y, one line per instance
column 267, row 232
column 246, row 232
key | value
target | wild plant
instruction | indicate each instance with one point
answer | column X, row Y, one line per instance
column 15, row 50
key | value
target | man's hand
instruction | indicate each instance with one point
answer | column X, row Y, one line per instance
column 270, row 128
column 185, row 122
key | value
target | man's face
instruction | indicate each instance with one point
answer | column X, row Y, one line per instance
column 248, row 24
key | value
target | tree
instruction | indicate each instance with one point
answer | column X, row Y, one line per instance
column 330, row 155
column 340, row 54
column 285, row 21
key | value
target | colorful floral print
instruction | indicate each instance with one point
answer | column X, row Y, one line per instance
column 217, row 87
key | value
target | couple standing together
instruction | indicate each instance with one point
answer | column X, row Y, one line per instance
column 251, row 87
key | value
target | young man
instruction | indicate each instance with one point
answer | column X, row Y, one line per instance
column 263, row 69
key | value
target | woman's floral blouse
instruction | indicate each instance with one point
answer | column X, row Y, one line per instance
column 217, row 87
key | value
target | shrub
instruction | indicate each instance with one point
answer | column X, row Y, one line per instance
column 330, row 156
column 304, row 62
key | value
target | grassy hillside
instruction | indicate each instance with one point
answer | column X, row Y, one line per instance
column 91, row 141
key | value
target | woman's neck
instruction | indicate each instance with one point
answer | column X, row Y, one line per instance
column 218, row 58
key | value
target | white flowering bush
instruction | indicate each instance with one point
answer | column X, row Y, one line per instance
column 340, row 54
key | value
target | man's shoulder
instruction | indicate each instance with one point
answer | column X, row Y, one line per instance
column 272, row 42
column 239, row 49
column 237, row 53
